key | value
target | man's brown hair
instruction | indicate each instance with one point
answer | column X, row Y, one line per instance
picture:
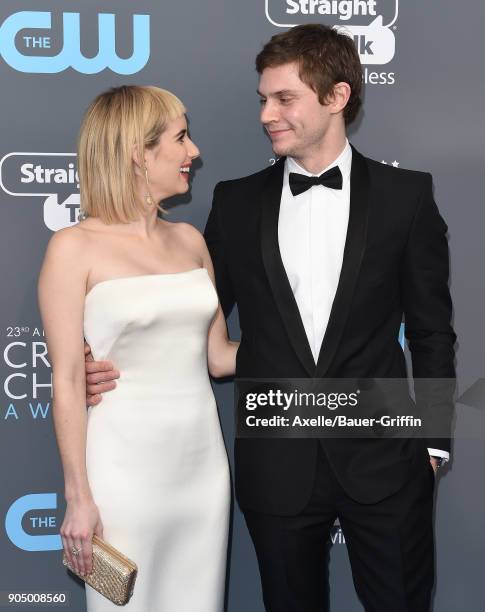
column 325, row 57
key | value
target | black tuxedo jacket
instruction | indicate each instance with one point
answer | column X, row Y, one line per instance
column 395, row 263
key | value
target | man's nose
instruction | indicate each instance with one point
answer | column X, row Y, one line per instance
column 269, row 112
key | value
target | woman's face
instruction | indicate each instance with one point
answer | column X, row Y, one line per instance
column 168, row 163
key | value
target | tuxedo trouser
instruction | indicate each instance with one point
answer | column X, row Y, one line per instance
column 390, row 546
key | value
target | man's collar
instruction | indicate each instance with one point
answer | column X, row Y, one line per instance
column 343, row 161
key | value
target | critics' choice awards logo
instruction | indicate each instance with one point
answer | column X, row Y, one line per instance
column 30, row 43
column 26, row 376
column 52, row 175
column 371, row 24
column 29, row 518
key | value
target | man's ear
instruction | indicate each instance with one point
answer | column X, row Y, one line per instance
column 339, row 96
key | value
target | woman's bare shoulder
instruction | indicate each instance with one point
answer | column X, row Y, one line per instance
column 188, row 233
column 67, row 239
column 186, row 238
column 65, row 262
column 72, row 247
column 85, row 235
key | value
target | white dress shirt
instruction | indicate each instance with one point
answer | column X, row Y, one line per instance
column 312, row 228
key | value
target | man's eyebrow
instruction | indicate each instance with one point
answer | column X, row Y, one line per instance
column 282, row 92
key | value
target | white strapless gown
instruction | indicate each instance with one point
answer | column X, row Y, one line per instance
column 155, row 457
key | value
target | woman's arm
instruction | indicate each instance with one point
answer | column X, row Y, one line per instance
column 221, row 352
column 62, row 287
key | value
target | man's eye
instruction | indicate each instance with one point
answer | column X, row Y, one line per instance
column 262, row 101
column 285, row 100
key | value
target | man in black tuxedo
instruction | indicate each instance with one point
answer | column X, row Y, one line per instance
column 324, row 253
column 322, row 271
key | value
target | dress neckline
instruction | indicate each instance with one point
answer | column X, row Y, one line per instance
column 138, row 276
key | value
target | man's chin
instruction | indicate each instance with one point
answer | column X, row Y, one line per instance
column 280, row 150
column 283, row 152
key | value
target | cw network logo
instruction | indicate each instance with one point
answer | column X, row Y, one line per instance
column 44, row 174
column 375, row 40
column 29, row 52
column 29, row 511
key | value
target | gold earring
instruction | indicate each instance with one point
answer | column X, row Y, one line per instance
column 148, row 197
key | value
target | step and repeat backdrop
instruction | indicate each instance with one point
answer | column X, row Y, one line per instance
column 423, row 107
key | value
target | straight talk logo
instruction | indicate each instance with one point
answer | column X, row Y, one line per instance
column 373, row 34
column 343, row 9
column 52, row 176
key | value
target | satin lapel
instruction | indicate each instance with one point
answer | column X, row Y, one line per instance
column 353, row 254
column 275, row 270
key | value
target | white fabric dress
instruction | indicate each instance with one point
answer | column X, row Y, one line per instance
column 156, row 460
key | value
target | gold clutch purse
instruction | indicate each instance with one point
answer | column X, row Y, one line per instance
column 113, row 575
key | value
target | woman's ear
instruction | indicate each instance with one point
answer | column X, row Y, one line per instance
column 135, row 156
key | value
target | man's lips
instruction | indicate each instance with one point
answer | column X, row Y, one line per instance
column 276, row 133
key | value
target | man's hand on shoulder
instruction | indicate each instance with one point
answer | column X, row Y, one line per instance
column 100, row 377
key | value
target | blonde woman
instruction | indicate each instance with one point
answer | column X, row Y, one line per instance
column 147, row 470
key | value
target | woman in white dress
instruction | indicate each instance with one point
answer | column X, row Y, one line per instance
column 147, row 470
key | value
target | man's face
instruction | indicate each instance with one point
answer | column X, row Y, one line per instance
column 295, row 120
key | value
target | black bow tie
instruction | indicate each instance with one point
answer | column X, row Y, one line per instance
column 331, row 178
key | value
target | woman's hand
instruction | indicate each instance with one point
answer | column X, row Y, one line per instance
column 81, row 521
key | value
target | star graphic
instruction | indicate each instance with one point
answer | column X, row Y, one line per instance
column 395, row 164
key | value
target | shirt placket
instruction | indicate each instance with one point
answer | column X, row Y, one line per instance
column 313, row 240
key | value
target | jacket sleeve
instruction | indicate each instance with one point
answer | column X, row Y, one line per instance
column 216, row 244
column 428, row 313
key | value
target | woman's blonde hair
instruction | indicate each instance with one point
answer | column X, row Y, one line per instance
column 115, row 122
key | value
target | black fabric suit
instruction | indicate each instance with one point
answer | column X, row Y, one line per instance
column 395, row 262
